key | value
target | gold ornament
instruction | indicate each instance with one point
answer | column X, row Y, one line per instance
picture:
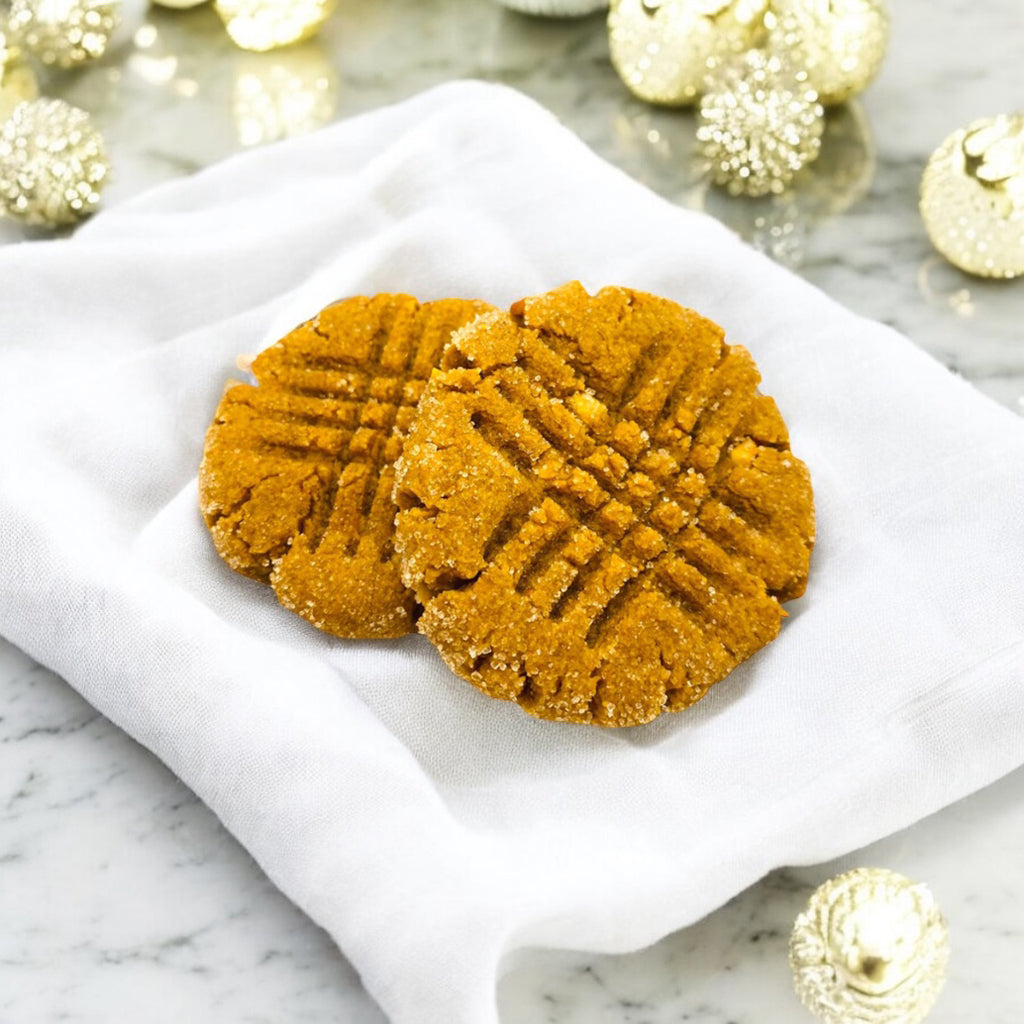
column 52, row 164
column 760, row 123
column 972, row 197
column 840, row 43
column 178, row 5
column 64, row 32
column 267, row 24
column 291, row 93
column 870, row 948
column 662, row 50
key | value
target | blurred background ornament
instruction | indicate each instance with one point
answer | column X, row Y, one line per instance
column 52, row 164
column 278, row 96
column 839, row 43
column 262, row 25
column 760, row 122
column 870, row 948
column 17, row 79
column 972, row 197
column 556, row 8
column 662, row 50
column 64, row 33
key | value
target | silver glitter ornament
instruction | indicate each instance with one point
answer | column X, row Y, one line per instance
column 52, row 164
column 662, row 49
column 972, row 197
column 64, row 33
column 839, row 43
column 871, row 948
column 760, row 123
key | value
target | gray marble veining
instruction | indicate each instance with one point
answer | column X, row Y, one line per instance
column 123, row 899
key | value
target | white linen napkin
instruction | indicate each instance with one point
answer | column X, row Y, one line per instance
column 432, row 830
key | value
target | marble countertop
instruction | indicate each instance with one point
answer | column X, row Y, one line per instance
column 122, row 897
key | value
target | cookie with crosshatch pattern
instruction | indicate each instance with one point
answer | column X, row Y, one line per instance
column 297, row 472
column 598, row 510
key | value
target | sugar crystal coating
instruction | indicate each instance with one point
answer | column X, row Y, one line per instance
column 297, row 472
column 598, row 510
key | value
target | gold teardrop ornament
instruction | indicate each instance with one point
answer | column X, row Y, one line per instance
column 871, row 948
column 972, row 197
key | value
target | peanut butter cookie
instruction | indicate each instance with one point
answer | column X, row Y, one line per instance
column 598, row 510
column 297, row 472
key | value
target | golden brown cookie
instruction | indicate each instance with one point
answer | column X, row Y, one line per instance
column 297, row 472
column 597, row 509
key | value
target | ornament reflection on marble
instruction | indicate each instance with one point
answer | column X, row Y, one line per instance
column 839, row 43
column 780, row 224
column 52, row 164
column 760, row 123
column 662, row 50
column 262, row 25
column 277, row 97
column 870, row 948
column 972, row 197
column 64, row 33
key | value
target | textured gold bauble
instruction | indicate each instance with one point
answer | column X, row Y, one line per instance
column 972, row 197
column 261, row 25
column 64, row 33
column 870, row 948
column 52, row 164
column 840, row 43
column 662, row 51
column 760, row 123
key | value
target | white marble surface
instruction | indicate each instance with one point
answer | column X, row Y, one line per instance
column 123, row 899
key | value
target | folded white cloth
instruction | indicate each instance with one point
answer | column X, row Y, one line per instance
column 432, row 830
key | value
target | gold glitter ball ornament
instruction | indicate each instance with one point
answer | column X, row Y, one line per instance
column 972, row 197
column 839, row 43
column 262, row 25
column 871, row 948
column 662, row 51
column 760, row 123
column 52, row 164
column 64, row 33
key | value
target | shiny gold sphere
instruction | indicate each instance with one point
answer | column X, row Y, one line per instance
column 261, row 25
column 871, row 947
column 972, row 197
column 840, row 43
column 662, row 50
